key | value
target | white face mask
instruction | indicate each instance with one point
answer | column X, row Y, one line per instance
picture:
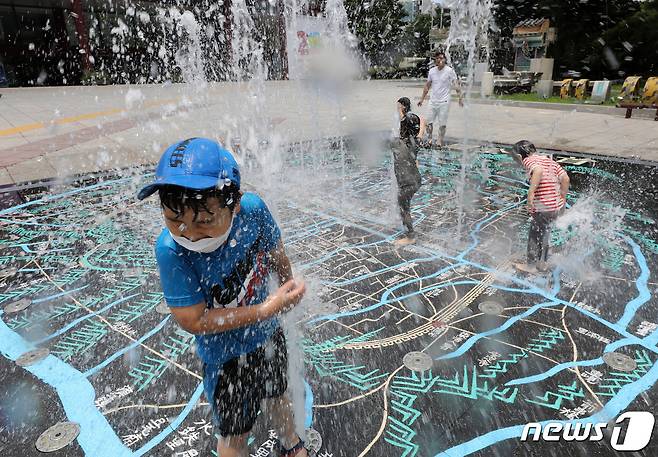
column 205, row 245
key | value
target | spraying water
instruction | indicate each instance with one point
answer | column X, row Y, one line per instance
column 588, row 226
column 468, row 43
column 187, row 52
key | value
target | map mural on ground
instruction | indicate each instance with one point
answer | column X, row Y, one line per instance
column 440, row 348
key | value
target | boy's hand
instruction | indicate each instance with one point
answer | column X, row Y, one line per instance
column 286, row 297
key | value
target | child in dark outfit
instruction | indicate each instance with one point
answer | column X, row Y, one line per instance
column 406, row 167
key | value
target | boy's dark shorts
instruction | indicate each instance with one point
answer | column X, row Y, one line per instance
column 244, row 381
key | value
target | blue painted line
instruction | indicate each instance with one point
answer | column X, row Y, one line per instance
column 76, row 394
column 341, row 221
column 553, row 371
column 157, row 439
column 612, row 409
column 649, row 344
column 641, row 283
column 479, row 225
column 313, row 228
column 565, row 366
column 618, row 403
column 384, row 298
column 119, row 353
column 383, row 270
column 50, row 297
column 385, row 238
column 419, row 292
column 64, row 194
column 535, row 290
column 308, row 405
column 75, row 322
column 475, row 338
column 470, row 283
column 331, row 254
column 307, row 233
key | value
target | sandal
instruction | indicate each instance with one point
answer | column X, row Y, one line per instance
column 293, row 450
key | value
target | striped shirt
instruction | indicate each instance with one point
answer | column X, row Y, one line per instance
column 547, row 195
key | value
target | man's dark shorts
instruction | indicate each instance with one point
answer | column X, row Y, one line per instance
column 244, row 381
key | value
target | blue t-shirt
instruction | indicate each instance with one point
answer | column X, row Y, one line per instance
column 236, row 274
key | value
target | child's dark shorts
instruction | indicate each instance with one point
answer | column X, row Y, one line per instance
column 244, row 381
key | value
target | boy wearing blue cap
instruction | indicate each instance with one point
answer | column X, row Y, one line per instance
column 215, row 257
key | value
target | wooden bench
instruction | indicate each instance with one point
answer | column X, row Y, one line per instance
column 629, row 99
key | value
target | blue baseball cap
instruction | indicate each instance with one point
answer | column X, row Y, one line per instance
column 195, row 163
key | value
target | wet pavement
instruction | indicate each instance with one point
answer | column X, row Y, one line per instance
column 438, row 348
column 54, row 131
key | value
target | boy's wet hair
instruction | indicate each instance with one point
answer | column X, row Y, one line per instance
column 178, row 198
column 440, row 53
column 406, row 104
column 524, row 148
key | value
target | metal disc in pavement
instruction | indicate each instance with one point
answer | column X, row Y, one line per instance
column 313, row 440
column 619, row 361
column 162, row 308
column 417, row 361
column 18, row 305
column 32, row 357
column 58, row 436
column 491, row 307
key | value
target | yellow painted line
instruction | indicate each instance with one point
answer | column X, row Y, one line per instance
column 83, row 117
column 80, row 117
column 21, row 128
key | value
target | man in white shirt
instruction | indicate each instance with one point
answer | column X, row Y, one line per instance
column 441, row 79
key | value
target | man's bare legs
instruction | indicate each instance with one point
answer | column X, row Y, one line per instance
column 233, row 446
column 429, row 131
column 279, row 413
column 442, row 135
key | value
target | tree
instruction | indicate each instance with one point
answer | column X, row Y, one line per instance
column 579, row 24
column 629, row 48
column 378, row 24
column 416, row 40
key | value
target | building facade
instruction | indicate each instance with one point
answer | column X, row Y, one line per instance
column 530, row 39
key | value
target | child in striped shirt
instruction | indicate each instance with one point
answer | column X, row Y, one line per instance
column 549, row 184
